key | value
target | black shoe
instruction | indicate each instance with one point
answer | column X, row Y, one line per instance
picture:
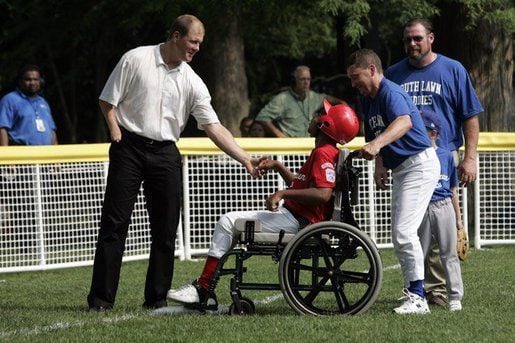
column 156, row 305
column 99, row 308
column 98, row 305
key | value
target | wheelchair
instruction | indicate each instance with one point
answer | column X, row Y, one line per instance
column 327, row 268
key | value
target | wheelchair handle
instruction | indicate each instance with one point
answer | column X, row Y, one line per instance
column 353, row 174
column 352, row 155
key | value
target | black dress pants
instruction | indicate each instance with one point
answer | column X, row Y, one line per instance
column 134, row 160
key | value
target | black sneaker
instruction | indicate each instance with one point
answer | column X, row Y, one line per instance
column 155, row 305
column 99, row 308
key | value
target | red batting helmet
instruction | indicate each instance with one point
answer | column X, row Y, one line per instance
column 339, row 122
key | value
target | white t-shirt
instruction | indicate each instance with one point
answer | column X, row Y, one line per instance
column 153, row 101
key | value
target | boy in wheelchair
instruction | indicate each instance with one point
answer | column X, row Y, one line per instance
column 307, row 200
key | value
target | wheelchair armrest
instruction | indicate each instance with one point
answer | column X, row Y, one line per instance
column 243, row 225
column 248, row 229
column 251, row 233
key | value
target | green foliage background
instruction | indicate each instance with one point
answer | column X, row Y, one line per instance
column 78, row 42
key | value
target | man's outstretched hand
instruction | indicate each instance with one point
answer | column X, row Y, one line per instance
column 253, row 166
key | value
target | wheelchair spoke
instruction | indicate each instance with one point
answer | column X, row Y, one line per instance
column 341, row 299
column 310, row 297
column 301, row 266
column 325, row 252
column 353, row 277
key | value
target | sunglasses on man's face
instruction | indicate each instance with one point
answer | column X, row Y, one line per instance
column 408, row 40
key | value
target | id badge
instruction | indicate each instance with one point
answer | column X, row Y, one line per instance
column 40, row 125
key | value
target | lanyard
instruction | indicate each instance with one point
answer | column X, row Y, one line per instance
column 38, row 121
column 34, row 106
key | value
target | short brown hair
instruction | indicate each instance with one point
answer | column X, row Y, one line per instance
column 422, row 21
column 363, row 58
column 183, row 23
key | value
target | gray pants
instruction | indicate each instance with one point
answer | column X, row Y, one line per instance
column 434, row 271
column 440, row 222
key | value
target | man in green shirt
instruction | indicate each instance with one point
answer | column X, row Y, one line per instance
column 289, row 113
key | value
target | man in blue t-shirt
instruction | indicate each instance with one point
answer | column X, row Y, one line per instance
column 442, row 85
column 25, row 116
column 397, row 140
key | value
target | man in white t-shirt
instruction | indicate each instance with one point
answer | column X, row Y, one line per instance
column 146, row 103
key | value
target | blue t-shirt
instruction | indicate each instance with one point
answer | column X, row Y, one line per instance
column 448, row 176
column 391, row 102
column 28, row 121
column 445, row 87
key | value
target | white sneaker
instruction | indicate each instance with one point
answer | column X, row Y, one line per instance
column 187, row 294
column 455, row 305
column 412, row 304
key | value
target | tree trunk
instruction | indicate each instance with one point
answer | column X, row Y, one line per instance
column 68, row 135
column 489, row 53
column 102, row 54
column 229, row 81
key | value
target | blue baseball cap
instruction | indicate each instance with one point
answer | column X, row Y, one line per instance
column 431, row 120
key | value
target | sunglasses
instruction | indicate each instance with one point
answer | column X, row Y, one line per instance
column 408, row 40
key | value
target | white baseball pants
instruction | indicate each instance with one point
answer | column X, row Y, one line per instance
column 413, row 184
column 224, row 234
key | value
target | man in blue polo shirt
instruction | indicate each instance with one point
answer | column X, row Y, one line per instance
column 25, row 117
column 397, row 140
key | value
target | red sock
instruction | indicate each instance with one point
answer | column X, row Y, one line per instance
column 208, row 272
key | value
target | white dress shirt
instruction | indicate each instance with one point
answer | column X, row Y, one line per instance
column 153, row 101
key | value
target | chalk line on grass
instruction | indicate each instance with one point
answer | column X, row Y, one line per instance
column 57, row 326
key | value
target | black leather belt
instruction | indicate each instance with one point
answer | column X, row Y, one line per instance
column 15, row 143
column 144, row 140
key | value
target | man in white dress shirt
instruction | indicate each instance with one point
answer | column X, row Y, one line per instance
column 146, row 103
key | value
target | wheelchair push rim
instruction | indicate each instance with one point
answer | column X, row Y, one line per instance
column 330, row 268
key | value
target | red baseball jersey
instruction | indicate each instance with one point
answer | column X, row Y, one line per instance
column 318, row 171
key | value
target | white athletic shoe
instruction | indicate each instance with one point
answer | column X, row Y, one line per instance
column 186, row 294
column 412, row 304
column 455, row 305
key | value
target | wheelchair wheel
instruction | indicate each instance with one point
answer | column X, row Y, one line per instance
column 330, row 268
column 247, row 307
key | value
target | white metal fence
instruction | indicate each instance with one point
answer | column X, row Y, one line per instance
column 50, row 207
column 495, row 199
column 218, row 184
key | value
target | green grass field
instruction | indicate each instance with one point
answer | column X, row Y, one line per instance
column 51, row 306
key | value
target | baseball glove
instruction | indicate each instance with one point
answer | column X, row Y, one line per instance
column 463, row 245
